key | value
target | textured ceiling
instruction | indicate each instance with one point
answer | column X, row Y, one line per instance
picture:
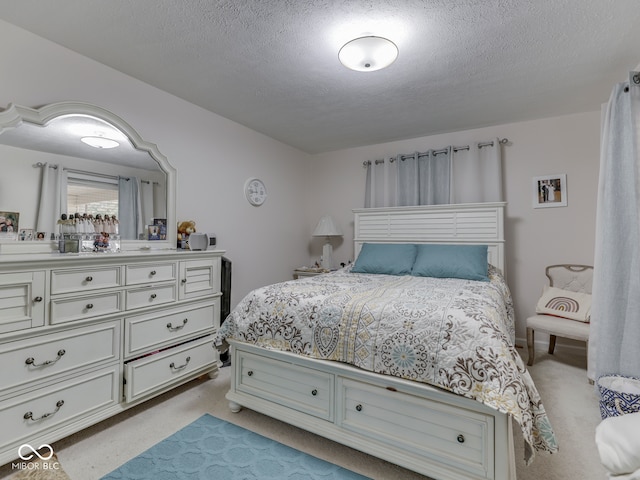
column 272, row 65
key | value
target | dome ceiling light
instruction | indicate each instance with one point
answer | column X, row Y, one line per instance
column 368, row 54
column 100, row 142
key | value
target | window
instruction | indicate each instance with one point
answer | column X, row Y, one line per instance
column 92, row 194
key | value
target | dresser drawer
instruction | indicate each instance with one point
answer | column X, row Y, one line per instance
column 24, row 417
column 199, row 278
column 151, row 296
column 22, row 300
column 153, row 372
column 47, row 355
column 304, row 389
column 147, row 332
column 70, row 309
column 149, row 272
column 72, row 280
column 437, row 431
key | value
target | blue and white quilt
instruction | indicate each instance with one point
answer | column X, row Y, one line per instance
column 451, row 333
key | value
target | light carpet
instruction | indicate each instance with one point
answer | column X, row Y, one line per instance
column 212, row 448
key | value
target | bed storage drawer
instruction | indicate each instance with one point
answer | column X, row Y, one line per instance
column 304, row 389
column 146, row 332
column 152, row 373
column 23, row 417
column 436, row 430
column 41, row 357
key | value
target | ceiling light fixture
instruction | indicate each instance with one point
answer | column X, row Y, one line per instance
column 100, row 142
column 368, row 54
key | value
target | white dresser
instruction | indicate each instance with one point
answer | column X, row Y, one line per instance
column 86, row 336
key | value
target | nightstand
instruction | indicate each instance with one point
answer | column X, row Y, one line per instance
column 308, row 272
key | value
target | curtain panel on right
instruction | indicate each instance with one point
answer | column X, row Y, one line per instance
column 614, row 338
column 449, row 175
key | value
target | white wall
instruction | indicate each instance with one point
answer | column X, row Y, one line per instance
column 535, row 237
column 213, row 156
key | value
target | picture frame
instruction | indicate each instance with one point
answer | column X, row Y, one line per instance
column 550, row 191
column 9, row 225
column 25, row 234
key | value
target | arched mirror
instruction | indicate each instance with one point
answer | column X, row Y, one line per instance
column 73, row 159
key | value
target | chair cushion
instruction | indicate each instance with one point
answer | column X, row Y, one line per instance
column 565, row 304
column 562, row 327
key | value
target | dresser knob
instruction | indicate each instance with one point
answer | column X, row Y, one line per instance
column 152, row 273
column 250, row 373
column 184, row 280
column 89, row 279
column 460, row 438
column 153, row 296
column 89, row 306
column 314, row 392
column 37, row 299
column 359, row 408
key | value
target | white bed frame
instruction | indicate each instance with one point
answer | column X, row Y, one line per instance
column 433, row 432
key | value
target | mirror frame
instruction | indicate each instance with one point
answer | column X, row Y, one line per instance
column 14, row 115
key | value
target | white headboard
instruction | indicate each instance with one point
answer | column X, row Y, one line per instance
column 470, row 224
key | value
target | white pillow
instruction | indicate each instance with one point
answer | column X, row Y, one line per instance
column 564, row 303
column 618, row 444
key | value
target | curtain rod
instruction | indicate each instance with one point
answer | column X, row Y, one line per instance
column 101, row 175
column 502, row 141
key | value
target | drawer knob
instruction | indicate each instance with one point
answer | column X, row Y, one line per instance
column 359, row 408
column 184, row 280
column 250, row 373
column 37, row 299
column 153, row 296
column 89, row 306
column 180, row 367
column 460, row 438
column 29, row 415
column 89, row 279
column 314, row 392
column 177, row 327
column 32, row 361
column 152, row 273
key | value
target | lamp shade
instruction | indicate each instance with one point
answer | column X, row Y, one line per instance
column 327, row 227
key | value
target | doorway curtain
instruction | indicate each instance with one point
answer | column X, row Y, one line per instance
column 614, row 341
column 470, row 174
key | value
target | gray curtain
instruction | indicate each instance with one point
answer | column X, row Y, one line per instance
column 53, row 198
column 424, row 179
column 614, row 342
column 129, row 208
column 476, row 174
column 443, row 176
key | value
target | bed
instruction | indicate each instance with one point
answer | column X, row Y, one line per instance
column 419, row 370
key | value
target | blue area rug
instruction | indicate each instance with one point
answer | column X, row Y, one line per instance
column 212, row 449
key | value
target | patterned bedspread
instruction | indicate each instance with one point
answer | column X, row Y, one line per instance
column 451, row 333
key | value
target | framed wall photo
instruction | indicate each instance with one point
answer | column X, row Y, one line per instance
column 9, row 225
column 550, row 191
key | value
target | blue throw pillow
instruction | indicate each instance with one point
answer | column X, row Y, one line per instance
column 468, row 262
column 385, row 258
